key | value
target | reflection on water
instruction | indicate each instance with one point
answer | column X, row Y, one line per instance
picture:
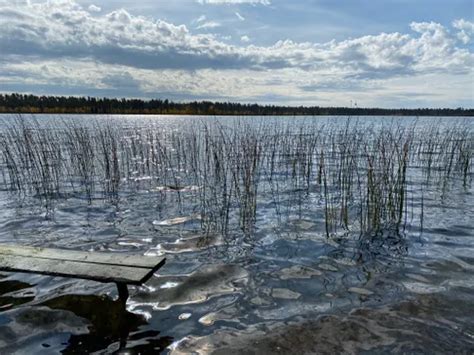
column 252, row 267
column 93, row 323
column 109, row 324
column 9, row 295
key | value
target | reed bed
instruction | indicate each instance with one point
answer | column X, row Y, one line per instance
column 358, row 179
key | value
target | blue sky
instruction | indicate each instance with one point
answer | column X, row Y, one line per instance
column 385, row 53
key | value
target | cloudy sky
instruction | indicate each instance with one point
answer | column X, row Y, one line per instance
column 385, row 53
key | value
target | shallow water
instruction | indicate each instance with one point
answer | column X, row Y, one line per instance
column 279, row 286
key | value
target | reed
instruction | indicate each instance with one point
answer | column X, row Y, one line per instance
column 360, row 179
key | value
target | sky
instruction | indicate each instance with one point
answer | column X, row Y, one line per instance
column 377, row 53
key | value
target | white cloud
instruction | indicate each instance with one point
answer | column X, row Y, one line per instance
column 239, row 16
column 234, row 2
column 208, row 25
column 94, row 8
column 63, row 28
column 39, row 39
column 462, row 24
column 287, row 86
column 200, row 19
column 466, row 30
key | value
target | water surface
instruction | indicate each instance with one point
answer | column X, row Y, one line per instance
column 258, row 270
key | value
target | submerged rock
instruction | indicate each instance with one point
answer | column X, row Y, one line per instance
column 284, row 293
column 424, row 325
column 299, row 272
column 417, row 277
column 176, row 220
column 190, row 244
column 327, row 267
column 360, row 291
column 305, row 225
column 228, row 313
column 208, row 281
column 259, row 301
column 184, row 316
column 422, row 288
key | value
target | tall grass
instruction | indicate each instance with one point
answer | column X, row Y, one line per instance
column 360, row 179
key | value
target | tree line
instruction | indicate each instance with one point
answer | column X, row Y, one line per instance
column 24, row 103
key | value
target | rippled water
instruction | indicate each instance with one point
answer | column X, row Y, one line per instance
column 283, row 287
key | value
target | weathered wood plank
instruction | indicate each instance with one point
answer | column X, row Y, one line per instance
column 78, row 269
column 83, row 256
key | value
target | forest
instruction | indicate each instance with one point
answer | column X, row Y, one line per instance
column 25, row 103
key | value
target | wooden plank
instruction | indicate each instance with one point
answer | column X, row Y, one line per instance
column 83, row 256
column 77, row 269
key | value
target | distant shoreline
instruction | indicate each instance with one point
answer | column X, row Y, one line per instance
column 32, row 104
column 234, row 115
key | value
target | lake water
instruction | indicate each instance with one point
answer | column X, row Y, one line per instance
column 282, row 234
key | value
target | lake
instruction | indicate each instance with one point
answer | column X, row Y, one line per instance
column 282, row 234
